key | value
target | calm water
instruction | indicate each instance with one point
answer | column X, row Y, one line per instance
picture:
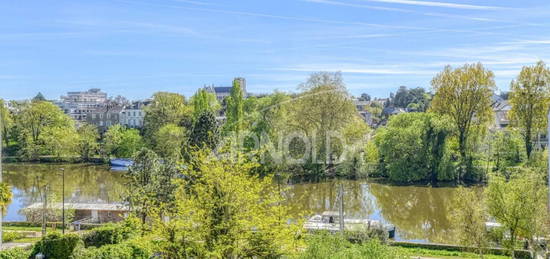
column 418, row 212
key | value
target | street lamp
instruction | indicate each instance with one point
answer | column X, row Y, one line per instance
column 63, row 199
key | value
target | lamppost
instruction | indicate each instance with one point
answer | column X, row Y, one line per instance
column 63, row 199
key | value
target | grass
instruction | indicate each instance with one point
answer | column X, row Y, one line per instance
column 21, row 228
column 443, row 253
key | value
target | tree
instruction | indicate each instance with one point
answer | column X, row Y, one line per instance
column 166, row 108
column 322, row 110
column 464, row 94
column 60, row 141
column 415, row 99
column 234, row 111
column 122, row 142
column 519, row 204
column 6, row 120
column 508, row 149
column 365, row 97
column 204, row 101
column 88, row 144
column 205, row 131
column 412, row 147
column 469, row 218
column 34, row 119
column 170, row 140
column 5, row 197
column 530, row 99
column 150, row 186
column 222, row 211
column 39, row 98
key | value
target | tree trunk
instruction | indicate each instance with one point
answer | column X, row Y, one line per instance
column 528, row 142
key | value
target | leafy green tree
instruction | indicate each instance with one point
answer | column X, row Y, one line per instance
column 33, row 120
column 60, row 141
column 150, row 187
column 170, row 140
column 530, row 100
column 234, row 111
column 166, row 108
column 39, row 98
column 205, row 131
column 5, row 197
column 464, row 94
column 6, row 121
column 519, row 204
column 88, row 143
column 469, row 218
column 223, row 212
column 412, row 146
column 122, row 142
column 415, row 99
column 204, row 101
column 508, row 149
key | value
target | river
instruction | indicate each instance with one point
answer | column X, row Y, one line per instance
column 420, row 213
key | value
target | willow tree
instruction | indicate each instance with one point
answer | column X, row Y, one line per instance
column 530, row 99
column 464, row 94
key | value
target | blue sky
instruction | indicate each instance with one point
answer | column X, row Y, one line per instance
column 137, row 47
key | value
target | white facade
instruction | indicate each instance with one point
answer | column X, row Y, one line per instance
column 132, row 117
column 78, row 104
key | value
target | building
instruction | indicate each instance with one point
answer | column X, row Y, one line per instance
column 79, row 104
column 84, row 212
column 361, row 107
column 105, row 117
column 222, row 92
column 133, row 116
column 501, row 108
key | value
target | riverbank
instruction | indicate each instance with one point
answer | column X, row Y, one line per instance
column 53, row 160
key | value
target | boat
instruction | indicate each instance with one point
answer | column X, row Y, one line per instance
column 330, row 221
column 121, row 162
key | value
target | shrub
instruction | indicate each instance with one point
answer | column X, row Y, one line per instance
column 110, row 234
column 57, row 246
column 15, row 253
column 10, row 236
column 334, row 246
column 127, row 250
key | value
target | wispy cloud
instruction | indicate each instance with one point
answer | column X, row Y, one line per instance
column 437, row 4
column 358, row 69
column 359, row 5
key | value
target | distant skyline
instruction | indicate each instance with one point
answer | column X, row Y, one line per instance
column 137, row 47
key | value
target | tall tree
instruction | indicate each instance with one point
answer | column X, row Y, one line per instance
column 6, row 120
column 88, row 144
column 235, row 109
column 166, row 108
column 205, row 131
column 39, row 98
column 169, row 141
column 530, row 99
column 204, row 101
column 121, row 142
column 469, row 218
column 465, row 95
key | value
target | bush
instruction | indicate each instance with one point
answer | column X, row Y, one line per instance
column 15, row 253
column 10, row 236
column 57, row 246
column 333, row 246
column 128, row 250
column 110, row 234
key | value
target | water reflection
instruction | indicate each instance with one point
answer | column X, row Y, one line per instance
column 418, row 212
column 83, row 183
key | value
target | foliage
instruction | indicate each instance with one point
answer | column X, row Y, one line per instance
column 88, row 144
column 365, row 97
column 60, row 141
column 332, row 246
column 469, row 219
column 519, row 204
column 415, row 99
column 169, row 141
column 464, row 94
column 412, row 147
column 6, row 123
column 204, row 101
column 35, row 120
column 15, row 253
column 205, row 131
column 111, row 234
column 234, row 111
column 57, row 246
column 150, row 187
column 166, row 108
column 5, row 196
column 8, row 236
column 530, row 100
column 122, row 142
column 222, row 211
column 134, row 249
column 508, row 148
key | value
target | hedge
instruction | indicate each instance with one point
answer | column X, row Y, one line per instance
column 57, row 246
column 9, row 236
column 109, row 234
column 15, row 253
column 127, row 250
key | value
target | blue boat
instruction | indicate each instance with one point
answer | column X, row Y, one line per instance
column 120, row 162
